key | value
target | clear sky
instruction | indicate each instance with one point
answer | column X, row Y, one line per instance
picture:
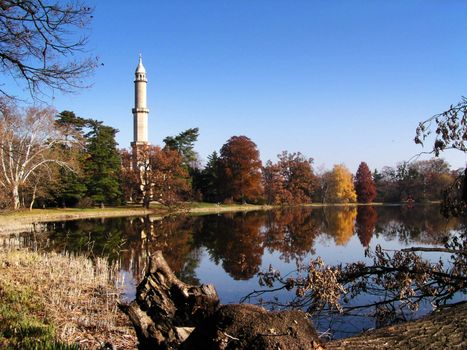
column 340, row 81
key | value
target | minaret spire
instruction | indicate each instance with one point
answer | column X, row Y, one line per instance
column 140, row 111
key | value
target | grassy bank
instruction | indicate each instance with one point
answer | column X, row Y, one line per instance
column 52, row 301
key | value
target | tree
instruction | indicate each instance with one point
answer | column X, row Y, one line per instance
column 210, row 185
column 435, row 177
column 183, row 143
column 102, row 165
column 273, row 183
column 364, row 184
column 450, row 133
column 29, row 148
column 290, row 181
column 450, row 129
column 130, row 178
column 340, row 187
column 340, row 223
column 42, row 43
column 163, row 176
column 366, row 223
column 70, row 186
column 240, row 170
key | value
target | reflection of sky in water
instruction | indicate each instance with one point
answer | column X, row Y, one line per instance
column 231, row 290
column 193, row 244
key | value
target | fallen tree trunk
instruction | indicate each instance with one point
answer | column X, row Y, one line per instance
column 166, row 310
column 169, row 314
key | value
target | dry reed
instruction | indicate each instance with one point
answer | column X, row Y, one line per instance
column 79, row 296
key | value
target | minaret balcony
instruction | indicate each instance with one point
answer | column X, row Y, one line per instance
column 140, row 110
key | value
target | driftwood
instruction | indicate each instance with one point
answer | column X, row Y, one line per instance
column 166, row 310
column 169, row 314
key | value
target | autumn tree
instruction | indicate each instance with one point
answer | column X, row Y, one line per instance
column 341, row 223
column 274, row 186
column 240, row 170
column 29, row 148
column 289, row 181
column 364, row 184
column 162, row 174
column 367, row 218
column 449, row 129
column 340, row 186
column 130, row 177
column 42, row 44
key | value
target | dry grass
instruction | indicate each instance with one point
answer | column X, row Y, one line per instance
column 78, row 296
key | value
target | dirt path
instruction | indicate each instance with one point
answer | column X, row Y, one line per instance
column 445, row 329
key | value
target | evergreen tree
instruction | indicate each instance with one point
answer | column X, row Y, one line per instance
column 209, row 184
column 364, row 185
column 183, row 143
column 102, row 165
column 71, row 186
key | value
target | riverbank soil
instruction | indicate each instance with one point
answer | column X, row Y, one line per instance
column 58, row 301
column 444, row 329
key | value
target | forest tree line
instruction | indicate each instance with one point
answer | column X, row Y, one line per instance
column 62, row 160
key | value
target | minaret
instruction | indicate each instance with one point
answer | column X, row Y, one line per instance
column 141, row 111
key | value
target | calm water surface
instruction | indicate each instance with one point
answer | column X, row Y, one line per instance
column 228, row 250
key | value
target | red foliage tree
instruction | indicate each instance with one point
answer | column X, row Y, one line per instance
column 289, row 181
column 366, row 223
column 163, row 176
column 240, row 169
column 364, row 184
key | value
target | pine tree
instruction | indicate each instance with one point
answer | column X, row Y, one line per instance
column 102, row 165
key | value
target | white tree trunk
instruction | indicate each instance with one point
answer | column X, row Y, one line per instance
column 15, row 197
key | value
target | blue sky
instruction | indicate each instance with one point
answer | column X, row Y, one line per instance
column 339, row 81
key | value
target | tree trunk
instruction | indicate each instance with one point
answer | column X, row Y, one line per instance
column 33, row 197
column 15, row 197
column 166, row 309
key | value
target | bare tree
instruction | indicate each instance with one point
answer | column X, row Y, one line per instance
column 30, row 142
column 42, row 43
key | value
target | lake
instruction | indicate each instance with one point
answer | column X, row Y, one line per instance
column 228, row 250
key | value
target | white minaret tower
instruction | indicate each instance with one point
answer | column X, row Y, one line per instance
column 141, row 111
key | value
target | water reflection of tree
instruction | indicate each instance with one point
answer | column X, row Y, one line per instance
column 366, row 223
column 291, row 232
column 95, row 237
column 173, row 236
column 422, row 224
column 340, row 223
column 234, row 239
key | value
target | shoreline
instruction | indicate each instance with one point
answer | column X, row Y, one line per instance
column 25, row 220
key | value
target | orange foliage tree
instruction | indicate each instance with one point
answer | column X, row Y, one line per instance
column 290, row 180
column 240, row 170
column 341, row 223
column 364, row 185
column 340, row 188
